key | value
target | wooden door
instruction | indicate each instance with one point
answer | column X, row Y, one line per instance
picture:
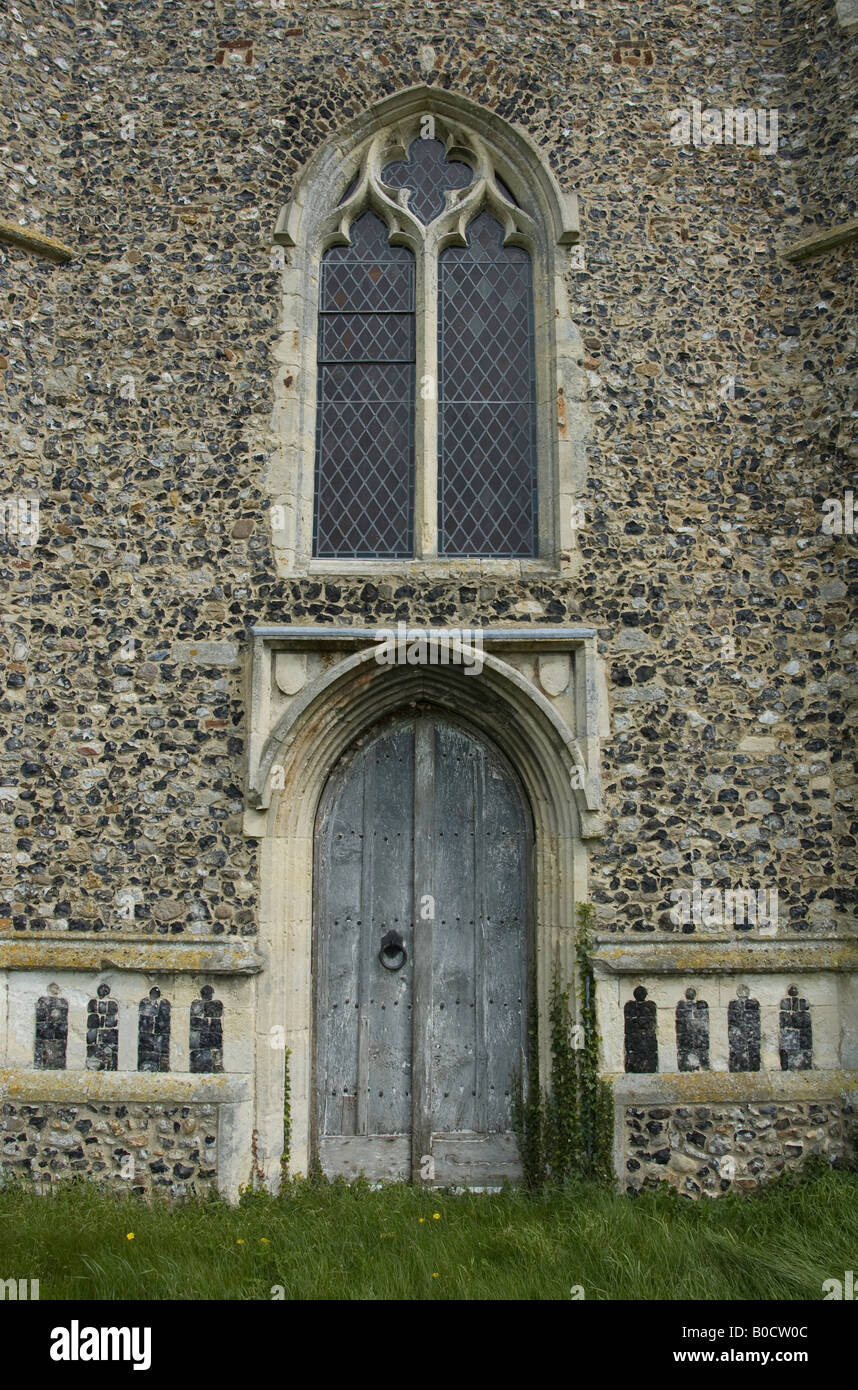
column 423, row 855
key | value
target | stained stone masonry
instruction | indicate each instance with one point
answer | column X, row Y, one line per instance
column 743, row 1023
column 692, row 1033
column 641, row 1037
column 206, row 1035
column 796, row 1032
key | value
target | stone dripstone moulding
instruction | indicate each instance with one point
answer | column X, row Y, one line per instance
column 545, row 223
column 48, row 247
column 540, row 696
column 825, row 239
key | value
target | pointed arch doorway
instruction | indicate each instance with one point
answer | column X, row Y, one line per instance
column 422, row 938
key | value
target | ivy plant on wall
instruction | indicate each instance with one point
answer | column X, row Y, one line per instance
column 565, row 1129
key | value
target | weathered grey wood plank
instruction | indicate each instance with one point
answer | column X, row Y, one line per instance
column 379, row 1157
column 504, row 977
column 364, row 855
column 481, row 1056
column 453, row 1031
column 476, row 1160
column 389, row 1003
column 365, row 927
column 338, row 909
column 422, row 929
column 481, row 943
column 362, row 1074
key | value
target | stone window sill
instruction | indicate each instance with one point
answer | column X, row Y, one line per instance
column 444, row 567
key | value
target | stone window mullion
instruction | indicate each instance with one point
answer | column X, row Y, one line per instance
column 426, row 411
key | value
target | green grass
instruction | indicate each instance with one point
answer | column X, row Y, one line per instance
column 326, row 1240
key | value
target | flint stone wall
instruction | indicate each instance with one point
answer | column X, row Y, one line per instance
column 136, row 399
column 703, row 511
column 167, row 1149
column 705, row 1150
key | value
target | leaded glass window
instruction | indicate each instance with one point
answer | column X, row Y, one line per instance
column 364, row 495
column 486, row 397
column 426, row 423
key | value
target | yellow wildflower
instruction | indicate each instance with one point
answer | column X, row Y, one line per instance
column 130, row 1235
column 436, row 1216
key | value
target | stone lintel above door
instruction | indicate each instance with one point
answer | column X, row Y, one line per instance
column 554, row 672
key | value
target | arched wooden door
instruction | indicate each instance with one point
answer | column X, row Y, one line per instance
column 422, row 906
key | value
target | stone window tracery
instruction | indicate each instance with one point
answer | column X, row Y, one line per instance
column 434, row 281
column 429, row 403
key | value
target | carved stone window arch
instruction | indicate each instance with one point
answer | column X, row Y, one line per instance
column 513, row 186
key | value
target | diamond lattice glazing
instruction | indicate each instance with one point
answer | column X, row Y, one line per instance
column 364, row 493
column 486, row 397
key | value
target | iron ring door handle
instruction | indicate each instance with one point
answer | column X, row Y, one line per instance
column 393, row 954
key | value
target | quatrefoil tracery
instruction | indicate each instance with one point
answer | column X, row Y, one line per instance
column 390, row 152
column 425, row 177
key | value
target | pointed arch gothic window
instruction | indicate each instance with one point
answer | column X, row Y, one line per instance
column 471, row 343
column 429, row 371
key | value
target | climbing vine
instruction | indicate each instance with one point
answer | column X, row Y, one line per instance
column 566, row 1129
column 527, row 1116
column 595, row 1098
column 287, row 1120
